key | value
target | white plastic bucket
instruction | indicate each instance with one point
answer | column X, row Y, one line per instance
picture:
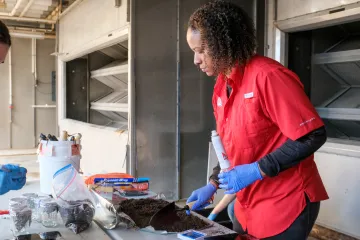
column 53, row 156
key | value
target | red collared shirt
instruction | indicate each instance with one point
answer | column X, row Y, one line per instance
column 266, row 107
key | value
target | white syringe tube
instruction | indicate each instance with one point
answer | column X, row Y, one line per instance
column 220, row 151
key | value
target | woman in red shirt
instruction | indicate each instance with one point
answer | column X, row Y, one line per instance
column 268, row 126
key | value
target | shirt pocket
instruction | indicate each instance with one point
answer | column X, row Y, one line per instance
column 257, row 124
column 239, row 135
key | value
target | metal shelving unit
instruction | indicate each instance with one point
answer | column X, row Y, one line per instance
column 102, row 77
column 115, row 76
column 109, row 83
column 336, row 86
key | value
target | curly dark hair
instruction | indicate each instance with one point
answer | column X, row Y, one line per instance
column 4, row 34
column 227, row 32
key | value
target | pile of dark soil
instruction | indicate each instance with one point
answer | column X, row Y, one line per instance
column 141, row 211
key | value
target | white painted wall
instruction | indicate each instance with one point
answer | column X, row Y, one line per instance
column 90, row 26
column 89, row 21
column 23, row 136
column 339, row 166
column 292, row 8
column 4, row 104
column 103, row 149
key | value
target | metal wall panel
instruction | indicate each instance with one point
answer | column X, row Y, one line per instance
column 101, row 18
column 23, row 134
column 155, row 91
column 45, row 117
column 293, row 8
column 197, row 118
column 299, row 57
column 76, row 89
column 23, row 90
column 4, row 106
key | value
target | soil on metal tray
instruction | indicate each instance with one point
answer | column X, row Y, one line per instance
column 141, row 211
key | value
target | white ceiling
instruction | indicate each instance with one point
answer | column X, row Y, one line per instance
column 38, row 9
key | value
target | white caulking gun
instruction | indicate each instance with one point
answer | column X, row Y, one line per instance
column 220, row 151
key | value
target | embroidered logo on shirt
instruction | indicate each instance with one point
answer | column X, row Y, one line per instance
column 307, row 121
column 219, row 102
column 249, row 95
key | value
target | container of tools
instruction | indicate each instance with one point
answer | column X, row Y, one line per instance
column 55, row 153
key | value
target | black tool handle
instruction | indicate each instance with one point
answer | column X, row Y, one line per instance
column 52, row 137
column 43, row 137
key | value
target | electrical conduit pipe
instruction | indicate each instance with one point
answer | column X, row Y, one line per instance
column 10, row 98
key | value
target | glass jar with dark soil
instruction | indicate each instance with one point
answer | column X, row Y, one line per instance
column 17, row 201
column 37, row 210
column 21, row 218
column 49, row 212
column 78, row 215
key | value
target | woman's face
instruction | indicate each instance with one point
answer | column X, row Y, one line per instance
column 201, row 56
column 3, row 52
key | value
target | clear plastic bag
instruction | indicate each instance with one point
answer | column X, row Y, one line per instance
column 77, row 205
column 107, row 215
column 68, row 187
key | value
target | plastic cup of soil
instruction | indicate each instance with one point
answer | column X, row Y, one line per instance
column 21, row 218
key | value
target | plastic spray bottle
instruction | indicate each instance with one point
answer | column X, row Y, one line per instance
column 220, row 151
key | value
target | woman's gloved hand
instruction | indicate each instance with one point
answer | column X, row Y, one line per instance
column 239, row 177
column 12, row 177
column 202, row 196
column 212, row 216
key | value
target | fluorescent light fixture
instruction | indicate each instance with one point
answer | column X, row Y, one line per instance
column 57, row 54
column 27, row 35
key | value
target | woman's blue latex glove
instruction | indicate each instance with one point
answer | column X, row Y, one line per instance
column 239, row 177
column 202, row 196
column 212, row 216
column 12, row 177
